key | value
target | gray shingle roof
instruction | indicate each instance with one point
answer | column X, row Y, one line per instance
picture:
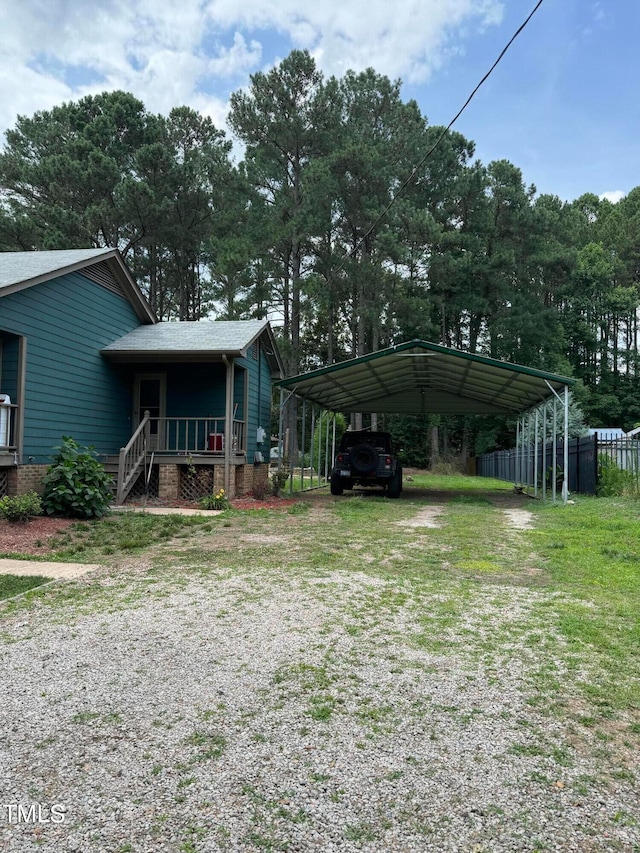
column 201, row 336
column 23, row 266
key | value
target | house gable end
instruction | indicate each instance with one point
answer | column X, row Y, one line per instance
column 21, row 270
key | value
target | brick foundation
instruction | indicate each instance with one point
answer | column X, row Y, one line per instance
column 29, row 478
column 168, row 483
column 26, row 478
column 243, row 479
column 248, row 477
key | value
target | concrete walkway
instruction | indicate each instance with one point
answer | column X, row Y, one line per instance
column 166, row 510
column 47, row 570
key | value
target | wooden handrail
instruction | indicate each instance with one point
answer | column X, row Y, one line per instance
column 132, row 456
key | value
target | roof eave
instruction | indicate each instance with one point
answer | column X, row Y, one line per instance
column 137, row 355
column 138, row 301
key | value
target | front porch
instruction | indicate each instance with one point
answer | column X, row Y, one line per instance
column 172, row 483
column 181, row 444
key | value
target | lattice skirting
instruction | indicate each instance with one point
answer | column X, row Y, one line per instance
column 4, row 482
column 196, row 483
column 138, row 489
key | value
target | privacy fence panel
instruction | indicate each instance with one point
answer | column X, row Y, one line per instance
column 519, row 465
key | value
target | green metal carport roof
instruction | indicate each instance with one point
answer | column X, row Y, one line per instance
column 419, row 377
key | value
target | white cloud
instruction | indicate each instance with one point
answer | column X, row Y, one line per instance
column 407, row 39
column 170, row 52
column 614, row 196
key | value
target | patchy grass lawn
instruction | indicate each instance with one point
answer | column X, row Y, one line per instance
column 472, row 619
column 116, row 534
column 11, row 585
column 585, row 556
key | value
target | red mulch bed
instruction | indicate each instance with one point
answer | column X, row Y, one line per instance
column 33, row 536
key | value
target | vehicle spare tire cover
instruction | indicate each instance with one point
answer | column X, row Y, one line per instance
column 363, row 458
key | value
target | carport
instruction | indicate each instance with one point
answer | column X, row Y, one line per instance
column 419, row 377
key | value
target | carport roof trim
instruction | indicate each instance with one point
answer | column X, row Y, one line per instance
column 307, row 380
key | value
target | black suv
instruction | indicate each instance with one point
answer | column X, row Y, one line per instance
column 367, row 459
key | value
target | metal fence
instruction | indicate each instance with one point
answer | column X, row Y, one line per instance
column 624, row 452
column 532, row 466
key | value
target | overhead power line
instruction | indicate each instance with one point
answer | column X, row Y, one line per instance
column 428, row 154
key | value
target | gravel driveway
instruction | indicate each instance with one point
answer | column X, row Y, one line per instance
column 215, row 712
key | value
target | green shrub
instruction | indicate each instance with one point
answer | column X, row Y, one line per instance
column 216, row 500
column 76, row 485
column 20, row 507
column 278, row 482
column 613, row 481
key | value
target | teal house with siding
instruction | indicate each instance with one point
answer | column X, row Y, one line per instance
column 177, row 408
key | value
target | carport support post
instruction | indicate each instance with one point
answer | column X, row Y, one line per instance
column 523, row 461
column 535, row 458
column 333, row 442
column 522, row 436
column 280, row 426
column 326, row 449
column 319, row 444
column 554, row 466
column 313, row 427
column 531, row 449
column 565, row 481
column 517, row 471
column 304, row 424
column 565, row 474
column 544, row 451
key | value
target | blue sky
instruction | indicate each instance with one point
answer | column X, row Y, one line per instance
column 561, row 106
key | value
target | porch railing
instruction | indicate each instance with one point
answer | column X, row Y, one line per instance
column 201, row 436
column 132, row 458
column 175, row 436
column 8, row 416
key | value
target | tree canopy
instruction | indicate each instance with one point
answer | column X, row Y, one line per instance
column 310, row 229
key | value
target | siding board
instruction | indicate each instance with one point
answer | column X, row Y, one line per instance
column 70, row 389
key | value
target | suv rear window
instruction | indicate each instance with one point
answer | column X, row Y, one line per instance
column 380, row 441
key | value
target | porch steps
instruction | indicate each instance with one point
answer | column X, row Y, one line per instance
column 110, row 465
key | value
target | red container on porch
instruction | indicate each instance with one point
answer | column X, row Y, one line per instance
column 215, row 442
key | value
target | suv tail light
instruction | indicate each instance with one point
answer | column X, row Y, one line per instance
column 340, row 457
column 387, row 460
